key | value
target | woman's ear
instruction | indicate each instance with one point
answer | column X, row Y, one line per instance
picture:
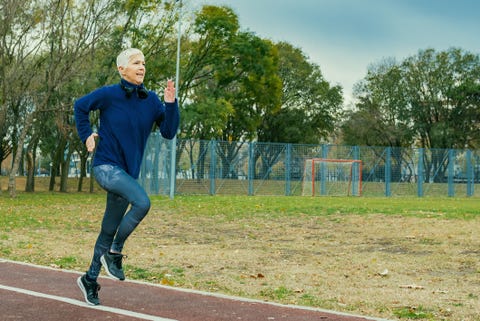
column 120, row 70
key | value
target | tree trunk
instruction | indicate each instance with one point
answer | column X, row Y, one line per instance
column 92, row 181
column 82, row 175
column 83, row 170
column 12, row 184
column 64, row 169
column 30, row 184
column 56, row 163
column 53, row 175
column 3, row 121
column 31, row 157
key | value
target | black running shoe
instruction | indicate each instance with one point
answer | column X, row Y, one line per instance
column 112, row 262
column 90, row 290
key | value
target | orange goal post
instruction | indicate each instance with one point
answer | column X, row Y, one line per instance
column 332, row 177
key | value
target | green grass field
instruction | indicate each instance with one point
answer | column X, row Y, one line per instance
column 396, row 258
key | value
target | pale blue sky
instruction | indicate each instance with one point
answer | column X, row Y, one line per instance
column 344, row 36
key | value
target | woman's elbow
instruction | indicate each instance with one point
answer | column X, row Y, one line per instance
column 169, row 133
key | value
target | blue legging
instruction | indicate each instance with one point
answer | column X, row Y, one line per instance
column 118, row 223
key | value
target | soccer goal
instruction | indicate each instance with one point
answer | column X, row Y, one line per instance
column 332, row 177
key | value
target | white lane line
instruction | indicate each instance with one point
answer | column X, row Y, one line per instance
column 84, row 305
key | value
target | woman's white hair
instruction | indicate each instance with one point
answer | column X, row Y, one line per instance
column 124, row 56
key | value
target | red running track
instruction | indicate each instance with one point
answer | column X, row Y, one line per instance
column 29, row 292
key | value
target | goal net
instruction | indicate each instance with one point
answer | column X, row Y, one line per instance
column 332, row 177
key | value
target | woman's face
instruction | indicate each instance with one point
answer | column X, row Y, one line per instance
column 135, row 70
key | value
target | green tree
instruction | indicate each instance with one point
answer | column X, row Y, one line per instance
column 441, row 119
column 310, row 106
column 380, row 118
column 429, row 100
column 232, row 79
column 253, row 87
column 308, row 111
column 439, row 87
column 204, row 117
column 206, row 112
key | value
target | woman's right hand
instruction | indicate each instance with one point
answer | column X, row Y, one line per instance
column 90, row 142
column 169, row 95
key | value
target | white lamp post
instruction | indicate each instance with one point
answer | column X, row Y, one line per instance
column 173, row 172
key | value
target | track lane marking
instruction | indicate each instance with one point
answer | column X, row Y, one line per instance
column 84, row 305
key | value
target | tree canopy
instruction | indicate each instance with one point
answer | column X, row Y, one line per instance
column 429, row 100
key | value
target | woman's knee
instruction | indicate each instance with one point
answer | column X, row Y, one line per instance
column 143, row 204
column 107, row 233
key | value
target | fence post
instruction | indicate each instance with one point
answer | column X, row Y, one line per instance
column 451, row 172
column 323, row 184
column 251, row 167
column 157, row 151
column 213, row 163
column 356, row 175
column 470, row 174
column 388, row 171
column 420, row 173
column 288, row 162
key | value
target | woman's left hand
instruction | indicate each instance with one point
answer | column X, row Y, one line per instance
column 169, row 94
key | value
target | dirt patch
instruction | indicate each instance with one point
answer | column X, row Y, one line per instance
column 371, row 265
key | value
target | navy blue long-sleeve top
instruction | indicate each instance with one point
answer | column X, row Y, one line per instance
column 126, row 121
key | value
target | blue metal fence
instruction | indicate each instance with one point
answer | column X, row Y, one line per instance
column 255, row 168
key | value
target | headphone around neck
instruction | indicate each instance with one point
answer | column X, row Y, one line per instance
column 142, row 93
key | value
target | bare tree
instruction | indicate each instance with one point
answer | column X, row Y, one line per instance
column 60, row 38
column 21, row 37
